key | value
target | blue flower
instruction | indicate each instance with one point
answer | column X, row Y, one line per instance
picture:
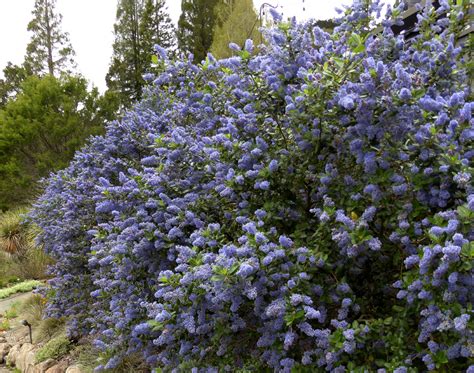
column 245, row 270
column 405, row 94
column 347, row 102
column 285, row 241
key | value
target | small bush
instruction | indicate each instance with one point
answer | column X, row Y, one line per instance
column 54, row 349
column 4, row 325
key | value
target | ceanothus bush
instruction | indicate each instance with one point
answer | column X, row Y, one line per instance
column 306, row 207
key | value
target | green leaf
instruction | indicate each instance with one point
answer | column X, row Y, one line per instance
column 418, row 93
column 465, row 213
column 356, row 43
column 440, row 357
column 339, row 62
column 468, row 249
column 155, row 325
column 245, row 55
column 154, row 59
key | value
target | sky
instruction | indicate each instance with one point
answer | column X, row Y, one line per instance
column 90, row 27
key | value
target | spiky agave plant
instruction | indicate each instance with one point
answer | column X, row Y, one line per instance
column 16, row 236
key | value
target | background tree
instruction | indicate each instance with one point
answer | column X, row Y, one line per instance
column 239, row 22
column 49, row 51
column 326, row 24
column 156, row 27
column 41, row 129
column 10, row 85
column 196, row 26
column 139, row 25
column 123, row 76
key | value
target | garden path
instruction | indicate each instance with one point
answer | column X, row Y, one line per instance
column 6, row 303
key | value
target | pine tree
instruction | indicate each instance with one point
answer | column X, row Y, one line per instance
column 196, row 26
column 239, row 23
column 156, row 27
column 139, row 25
column 41, row 128
column 49, row 51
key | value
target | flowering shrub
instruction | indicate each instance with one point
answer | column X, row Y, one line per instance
column 308, row 207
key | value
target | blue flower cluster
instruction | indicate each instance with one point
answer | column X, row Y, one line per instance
column 307, row 207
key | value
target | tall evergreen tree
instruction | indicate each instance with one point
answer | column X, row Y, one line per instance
column 196, row 26
column 49, row 51
column 139, row 25
column 239, row 23
column 156, row 27
column 123, row 76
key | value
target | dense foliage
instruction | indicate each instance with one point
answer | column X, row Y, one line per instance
column 41, row 128
column 307, row 207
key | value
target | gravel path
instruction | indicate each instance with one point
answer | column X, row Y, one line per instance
column 6, row 303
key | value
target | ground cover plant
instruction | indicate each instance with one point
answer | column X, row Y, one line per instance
column 305, row 206
column 21, row 287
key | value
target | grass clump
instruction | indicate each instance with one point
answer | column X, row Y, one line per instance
column 22, row 287
column 4, row 325
column 49, row 329
column 12, row 312
column 16, row 236
column 20, row 258
column 88, row 358
column 54, row 349
column 33, row 309
column 33, row 265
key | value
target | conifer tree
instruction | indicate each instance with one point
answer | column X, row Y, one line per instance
column 139, row 25
column 156, row 27
column 49, row 51
column 196, row 26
